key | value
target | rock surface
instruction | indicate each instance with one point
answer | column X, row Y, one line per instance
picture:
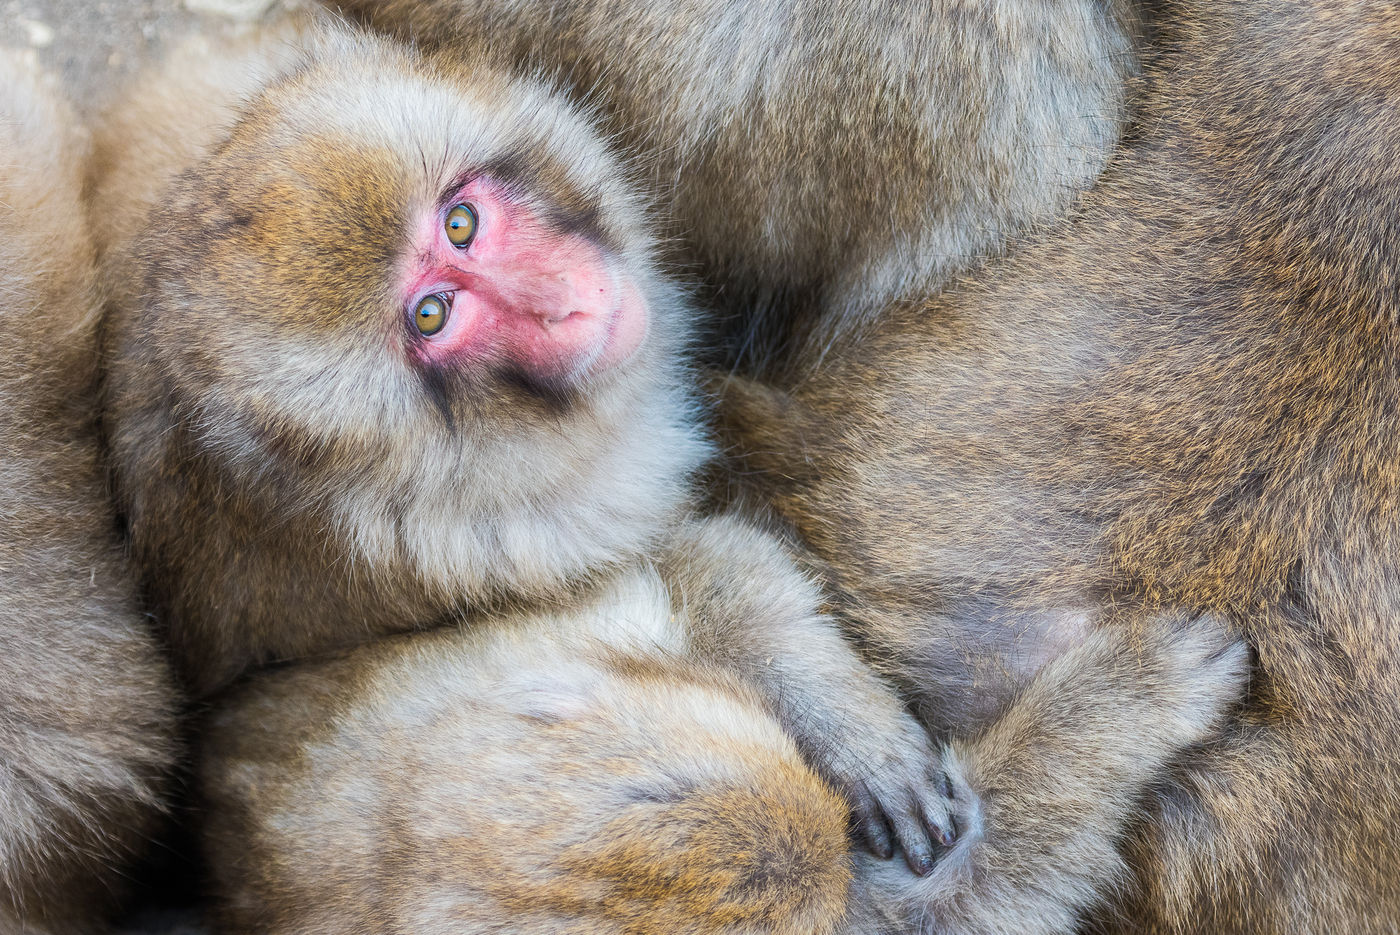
column 97, row 44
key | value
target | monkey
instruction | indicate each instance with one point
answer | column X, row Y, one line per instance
column 354, row 480
column 820, row 157
column 554, row 771
column 1183, row 395
column 390, row 350
column 87, row 700
column 583, row 771
column 216, row 469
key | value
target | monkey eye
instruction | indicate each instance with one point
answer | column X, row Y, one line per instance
column 461, row 225
column 431, row 313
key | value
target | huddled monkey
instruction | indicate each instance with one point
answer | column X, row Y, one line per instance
column 289, row 461
column 821, row 157
column 341, row 407
column 555, row 771
column 387, row 349
column 1185, row 396
column 87, row 701
column 787, row 192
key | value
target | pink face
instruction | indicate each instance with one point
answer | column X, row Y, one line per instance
column 490, row 282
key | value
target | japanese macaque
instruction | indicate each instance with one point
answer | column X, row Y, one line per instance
column 1186, row 395
column 87, row 717
column 390, row 351
column 821, row 157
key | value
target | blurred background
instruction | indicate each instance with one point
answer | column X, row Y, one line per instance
column 94, row 45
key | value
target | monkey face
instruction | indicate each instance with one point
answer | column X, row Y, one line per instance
column 426, row 302
column 473, row 245
column 490, row 282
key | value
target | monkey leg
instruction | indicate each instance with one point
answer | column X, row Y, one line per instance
column 1287, row 825
column 1044, row 795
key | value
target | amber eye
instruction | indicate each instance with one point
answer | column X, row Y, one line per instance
column 431, row 313
column 461, row 225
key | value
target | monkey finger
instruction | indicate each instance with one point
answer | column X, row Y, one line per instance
column 912, row 835
column 869, row 821
column 938, row 814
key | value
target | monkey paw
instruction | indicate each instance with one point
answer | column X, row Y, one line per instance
column 1199, row 668
column 900, row 797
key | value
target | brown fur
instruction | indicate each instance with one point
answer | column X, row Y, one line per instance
column 533, row 775
column 1185, row 396
column 289, row 488
column 290, row 494
column 86, row 701
column 819, row 157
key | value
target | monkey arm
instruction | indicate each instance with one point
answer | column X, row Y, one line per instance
column 1046, row 793
column 538, row 773
column 747, row 608
column 1287, row 824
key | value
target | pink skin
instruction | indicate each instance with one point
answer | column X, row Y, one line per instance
column 521, row 292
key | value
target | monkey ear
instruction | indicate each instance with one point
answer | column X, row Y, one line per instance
column 745, row 404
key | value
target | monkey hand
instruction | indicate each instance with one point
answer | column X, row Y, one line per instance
column 748, row 607
column 1040, row 800
column 899, row 797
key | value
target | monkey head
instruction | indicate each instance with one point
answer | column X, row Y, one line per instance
column 414, row 310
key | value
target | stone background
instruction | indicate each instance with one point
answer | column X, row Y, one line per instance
column 97, row 44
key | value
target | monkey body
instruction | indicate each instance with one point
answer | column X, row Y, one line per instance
column 372, row 374
column 820, row 157
column 595, row 769
column 1182, row 396
column 87, row 702
column 555, row 772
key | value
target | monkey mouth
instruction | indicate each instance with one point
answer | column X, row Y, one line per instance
column 625, row 330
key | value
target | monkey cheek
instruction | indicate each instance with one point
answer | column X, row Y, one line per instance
column 588, row 343
column 607, row 320
column 582, row 345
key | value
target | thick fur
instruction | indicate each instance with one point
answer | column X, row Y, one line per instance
column 86, row 700
column 561, row 772
column 290, row 491
column 1187, row 395
column 820, row 157
column 289, row 484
